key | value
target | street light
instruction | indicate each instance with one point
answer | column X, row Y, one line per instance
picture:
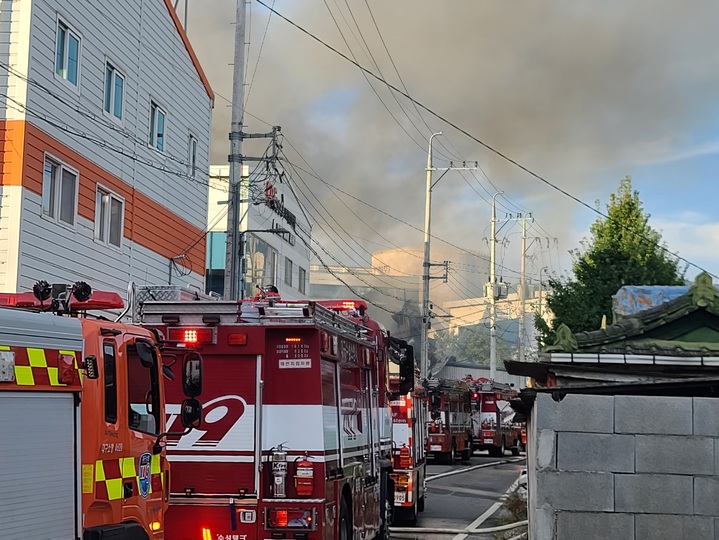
column 241, row 251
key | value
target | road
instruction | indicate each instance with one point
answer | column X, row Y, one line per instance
column 458, row 500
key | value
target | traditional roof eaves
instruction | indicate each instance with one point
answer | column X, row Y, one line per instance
column 702, row 295
column 190, row 51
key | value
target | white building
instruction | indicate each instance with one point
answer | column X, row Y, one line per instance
column 105, row 134
column 268, row 204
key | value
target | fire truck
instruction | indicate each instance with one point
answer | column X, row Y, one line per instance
column 450, row 425
column 493, row 425
column 409, row 425
column 296, row 438
column 82, row 419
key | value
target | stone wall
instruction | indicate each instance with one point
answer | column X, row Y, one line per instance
column 624, row 468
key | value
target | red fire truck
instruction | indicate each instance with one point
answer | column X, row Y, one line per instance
column 450, row 426
column 493, row 425
column 296, row 438
column 82, row 417
column 409, row 425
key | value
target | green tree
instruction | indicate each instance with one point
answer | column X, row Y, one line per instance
column 623, row 250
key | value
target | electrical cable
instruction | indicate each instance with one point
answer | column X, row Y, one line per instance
column 492, row 149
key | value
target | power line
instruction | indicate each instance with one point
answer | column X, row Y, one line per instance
column 490, row 147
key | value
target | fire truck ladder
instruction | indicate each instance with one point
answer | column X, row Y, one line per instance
column 165, row 306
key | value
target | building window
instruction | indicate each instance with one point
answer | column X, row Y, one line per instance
column 67, row 54
column 109, row 214
column 192, row 156
column 301, row 279
column 288, row 271
column 59, row 192
column 157, row 126
column 114, row 91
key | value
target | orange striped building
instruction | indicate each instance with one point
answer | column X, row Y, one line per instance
column 104, row 130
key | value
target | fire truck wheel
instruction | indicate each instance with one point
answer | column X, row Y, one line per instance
column 503, row 448
column 420, row 504
column 345, row 525
column 515, row 448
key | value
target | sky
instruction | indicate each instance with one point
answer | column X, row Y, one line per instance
column 582, row 93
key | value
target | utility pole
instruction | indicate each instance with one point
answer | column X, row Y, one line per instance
column 232, row 259
column 522, row 287
column 426, row 314
column 492, row 290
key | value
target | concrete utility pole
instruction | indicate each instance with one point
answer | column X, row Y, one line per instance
column 522, row 288
column 232, row 259
column 426, row 313
column 424, row 367
column 492, row 292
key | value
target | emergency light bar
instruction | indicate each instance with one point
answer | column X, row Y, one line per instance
column 98, row 300
column 202, row 335
column 343, row 305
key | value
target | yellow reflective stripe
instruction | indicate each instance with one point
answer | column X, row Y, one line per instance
column 24, row 376
column 127, row 467
column 114, row 488
column 87, row 473
column 52, row 373
column 4, row 348
column 99, row 471
column 155, row 464
column 37, row 357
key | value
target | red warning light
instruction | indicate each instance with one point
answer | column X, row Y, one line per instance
column 192, row 336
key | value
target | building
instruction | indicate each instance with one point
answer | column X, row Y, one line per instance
column 275, row 234
column 105, row 142
column 387, row 293
column 622, row 430
column 474, row 311
column 394, row 283
column 453, row 369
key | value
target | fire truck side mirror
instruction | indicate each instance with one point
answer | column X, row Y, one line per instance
column 436, row 401
column 192, row 374
column 191, row 413
column 406, row 370
column 145, row 353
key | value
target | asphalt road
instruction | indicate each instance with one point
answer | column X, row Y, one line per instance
column 458, row 500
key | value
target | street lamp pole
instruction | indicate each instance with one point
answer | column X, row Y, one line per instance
column 241, row 250
column 424, row 366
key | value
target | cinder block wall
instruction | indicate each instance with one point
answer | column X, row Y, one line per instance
column 624, row 468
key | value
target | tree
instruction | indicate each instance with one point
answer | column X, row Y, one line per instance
column 471, row 344
column 623, row 250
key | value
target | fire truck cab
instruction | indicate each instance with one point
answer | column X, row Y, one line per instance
column 81, row 419
column 296, row 438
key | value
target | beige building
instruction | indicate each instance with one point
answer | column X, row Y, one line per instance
column 475, row 311
column 394, row 282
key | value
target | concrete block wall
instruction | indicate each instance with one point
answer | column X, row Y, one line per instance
column 624, row 467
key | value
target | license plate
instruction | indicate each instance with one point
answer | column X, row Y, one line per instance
column 435, row 447
column 400, row 497
column 488, row 441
